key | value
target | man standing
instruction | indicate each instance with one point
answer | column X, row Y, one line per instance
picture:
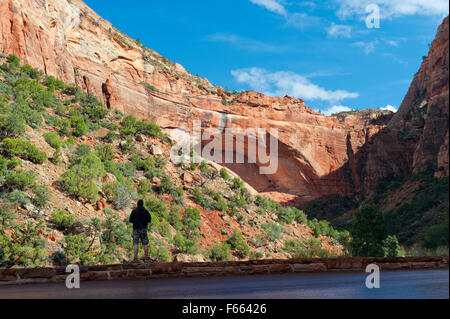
column 140, row 218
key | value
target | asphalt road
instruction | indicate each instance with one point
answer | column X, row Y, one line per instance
column 394, row 284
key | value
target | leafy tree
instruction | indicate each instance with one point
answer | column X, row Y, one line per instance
column 368, row 232
column 23, row 247
column 437, row 235
column 391, row 246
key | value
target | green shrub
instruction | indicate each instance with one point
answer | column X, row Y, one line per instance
column 31, row 72
column 42, row 195
column 111, row 137
column 313, row 249
column 13, row 163
column 17, row 197
column 89, row 191
column 83, row 150
column 164, row 229
column 167, row 187
column 293, row 247
column 62, row 219
column 51, row 81
column 77, row 249
column 237, row 242
column 156, row 206
column 21, row 180
column 56, row 158
column 174, row 217
column 121, row 193
column 224, row 174
column 105, row 152
column 64, row 127
column 273, row 230
column 236, row 183
column 127, row 169
column 144, row 187
column 128, row 146
column 202, row 200
column 13, row 60
column 145, row 165
column 219, row 252
column 59, row 258
column 79, row 126
column 163, row 255
column 188, row 246
column 21, row 148
column 12, row 124
column 437, row 235
column 53, row 140
column 93, row 108
column 23, row 248
column 131, row 126
column 254, row 255
column 77, row 181
column 220, row 203
column 191, row 223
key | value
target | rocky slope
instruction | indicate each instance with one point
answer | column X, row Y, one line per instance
column 318, row 155
column 71, row 170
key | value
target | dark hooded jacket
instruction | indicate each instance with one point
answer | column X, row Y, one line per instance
column 140, row 218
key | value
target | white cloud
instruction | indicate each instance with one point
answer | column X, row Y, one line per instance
column 336, row 109
column 393, row 8
column 389, row 108
column 339, row 30
column 368, row 47
column 244, row 43
column 392, row 43
column 271, row 5
column 297, row 20
column 301, row 20
column 290, row 83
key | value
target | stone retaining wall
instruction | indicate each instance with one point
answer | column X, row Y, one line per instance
column 134, row 271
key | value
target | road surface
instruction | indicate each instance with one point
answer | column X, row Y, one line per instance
column 341, row 285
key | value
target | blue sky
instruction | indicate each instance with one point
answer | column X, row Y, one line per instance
column 321, row 51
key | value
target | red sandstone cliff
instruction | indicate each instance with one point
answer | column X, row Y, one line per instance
column 318, row 155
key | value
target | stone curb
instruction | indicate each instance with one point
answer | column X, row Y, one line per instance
column 209, row 269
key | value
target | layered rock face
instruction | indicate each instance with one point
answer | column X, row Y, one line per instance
column 318, row 155
column 417, row 135
column 425, row 109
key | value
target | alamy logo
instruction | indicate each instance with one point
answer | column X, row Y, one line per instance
column 73, row 279
column 252, row 146
column 373, row 19
column 373, row 280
